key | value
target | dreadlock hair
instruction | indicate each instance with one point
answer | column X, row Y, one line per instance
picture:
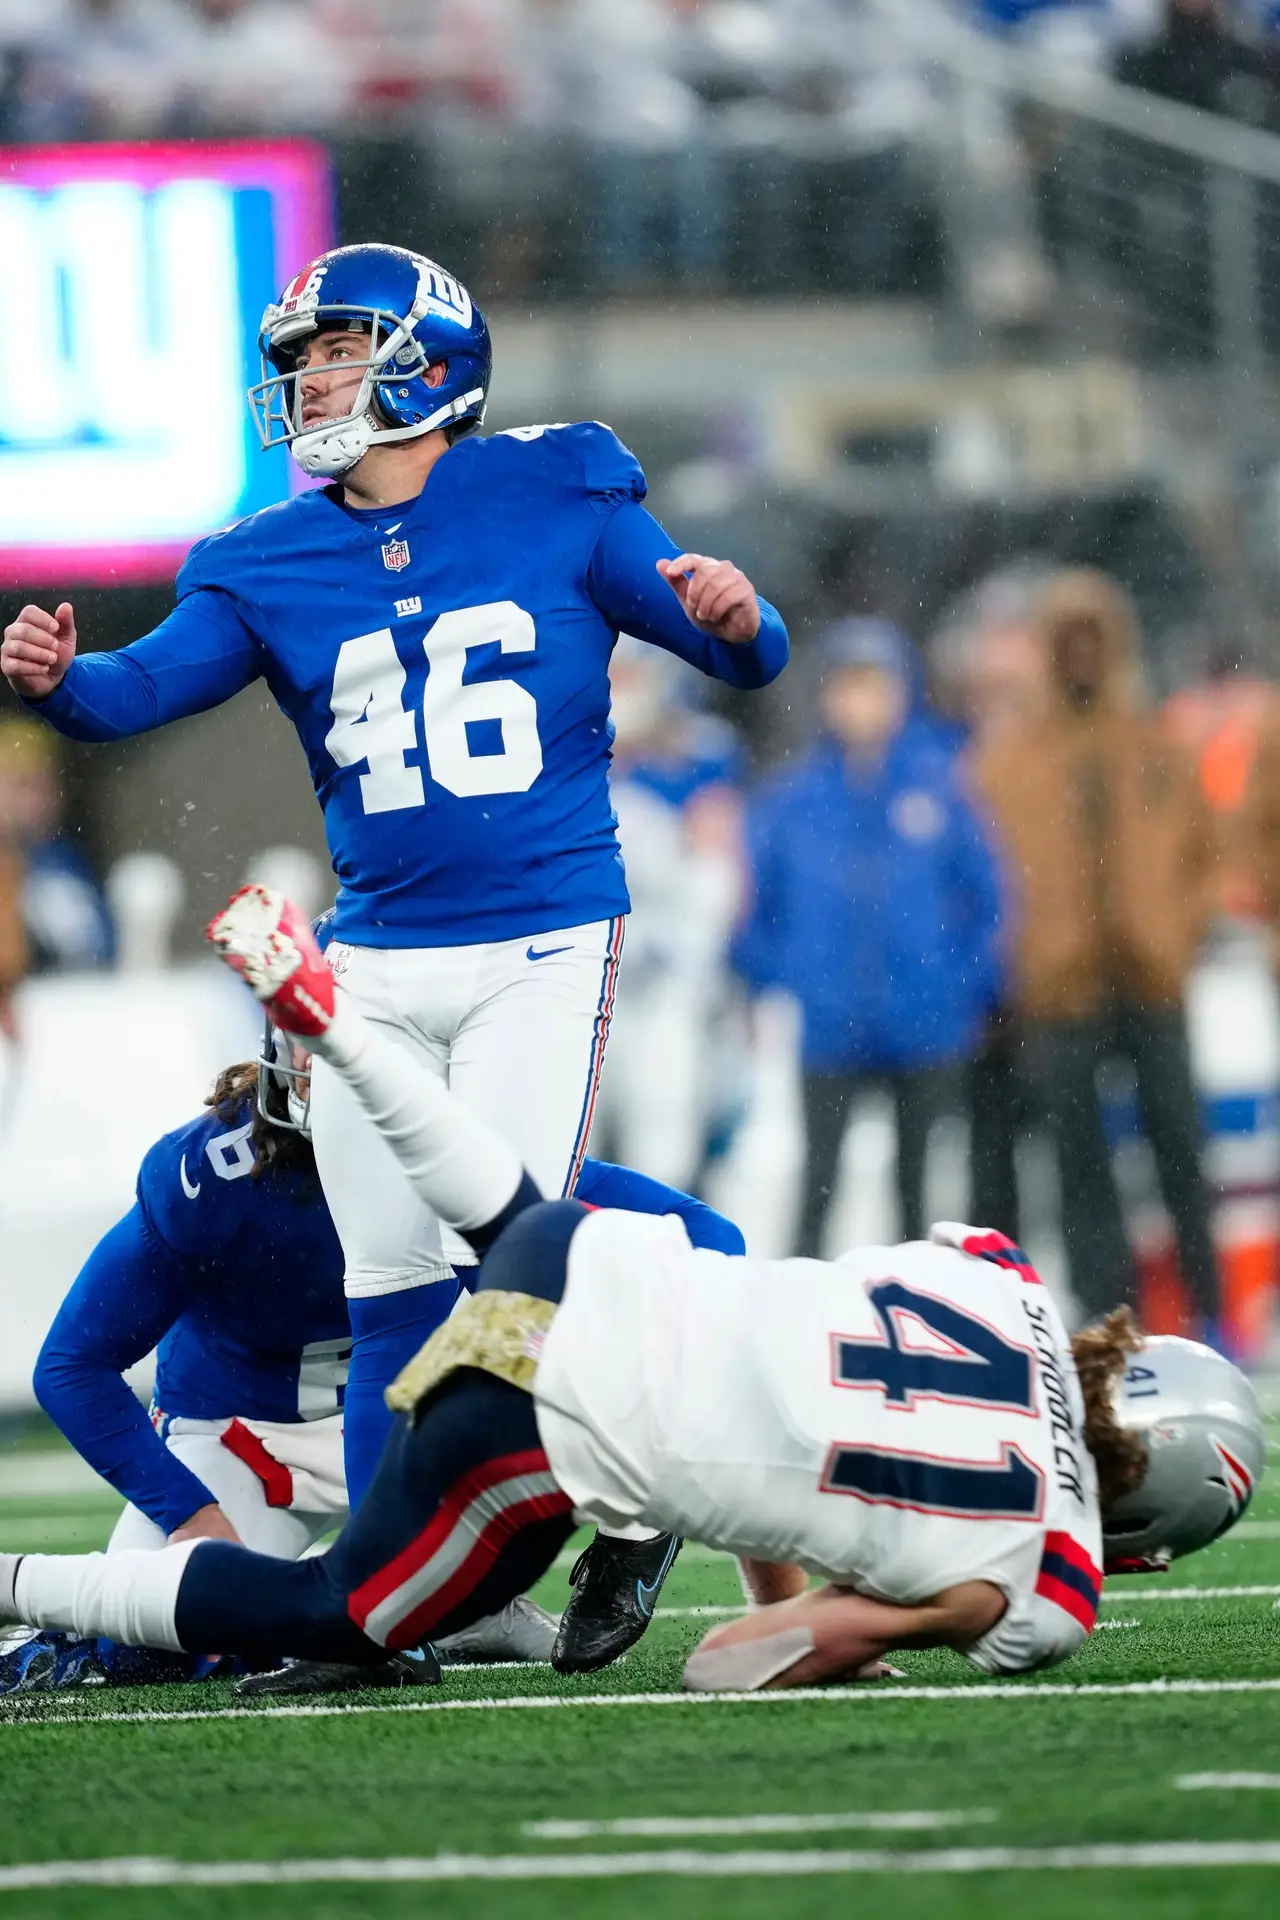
column 276, row 1149
column 1101, row 1355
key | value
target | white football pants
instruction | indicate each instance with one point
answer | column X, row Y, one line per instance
column 282, row 1486
column 516, row 1029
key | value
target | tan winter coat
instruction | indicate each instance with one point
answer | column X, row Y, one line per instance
column 1107, row 836
column 1260, row 820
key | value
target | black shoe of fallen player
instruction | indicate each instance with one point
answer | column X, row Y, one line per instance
column 420, row 1668
column 615, row 1584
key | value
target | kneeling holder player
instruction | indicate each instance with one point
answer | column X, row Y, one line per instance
column 910, row 1423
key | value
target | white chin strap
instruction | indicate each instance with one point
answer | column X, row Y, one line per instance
column 334, row 448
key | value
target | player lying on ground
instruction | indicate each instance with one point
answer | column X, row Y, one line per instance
column 437, row 623
column 910, row 1423
column 229, row 1266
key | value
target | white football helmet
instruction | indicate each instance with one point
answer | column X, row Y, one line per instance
column 1207, row 1446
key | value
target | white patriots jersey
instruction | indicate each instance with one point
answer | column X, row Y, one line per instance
column 896, row 1421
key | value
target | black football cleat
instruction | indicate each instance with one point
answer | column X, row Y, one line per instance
column 615, row 1584
column 418, row 1668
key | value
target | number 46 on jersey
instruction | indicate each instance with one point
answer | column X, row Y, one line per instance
column 372, row 725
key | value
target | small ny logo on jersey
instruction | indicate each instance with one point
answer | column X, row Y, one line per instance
column 395, row 555
column 411, row 605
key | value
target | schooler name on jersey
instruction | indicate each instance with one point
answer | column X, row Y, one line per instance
column 1067, row 1441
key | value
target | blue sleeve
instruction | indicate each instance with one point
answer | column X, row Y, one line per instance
column 197, row 658
column 126, row 1297
column 603, row 1185
column 624, row 582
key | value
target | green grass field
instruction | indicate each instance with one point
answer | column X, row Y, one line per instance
column 941, row 1795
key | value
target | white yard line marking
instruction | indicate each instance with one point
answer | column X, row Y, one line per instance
column 493, row 1666
column 697, row 1613
column 685, row 1862
column 1190, row 1592
column 1120, row 1597
column 1256, row 1530
column 39, row 1476
column 1115, row 1626
column 1227, row 1782
column 713, row 1826
column 871, row 1694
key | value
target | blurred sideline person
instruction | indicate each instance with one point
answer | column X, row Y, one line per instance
column 228, row 1265
column 68, row 925
column 605, row 1366
column 14, row 954
column 876, row 903
column 674, row 784
column 1260, row 827
column 1227, row 719
column 1113, row 856
column 990, row 668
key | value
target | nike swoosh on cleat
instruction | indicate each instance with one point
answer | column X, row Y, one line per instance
column 531, row 954
column 647, row 1594
column 192, row 1192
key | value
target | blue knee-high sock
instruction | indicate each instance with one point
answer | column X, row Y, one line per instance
column 387, row 1329
column 250, row 1604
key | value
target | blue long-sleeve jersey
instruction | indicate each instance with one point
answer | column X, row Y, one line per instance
column 235, row 1276
column 445, row 663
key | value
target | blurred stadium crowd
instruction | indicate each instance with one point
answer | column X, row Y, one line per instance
column 645, row 73
column 624, row 143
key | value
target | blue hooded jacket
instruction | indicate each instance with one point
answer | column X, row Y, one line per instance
column 877, row 903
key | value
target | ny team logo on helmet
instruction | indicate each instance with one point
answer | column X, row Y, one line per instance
column 416, row 316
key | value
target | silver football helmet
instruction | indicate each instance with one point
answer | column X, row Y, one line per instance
column 1199, row 1417
column 284, row 1067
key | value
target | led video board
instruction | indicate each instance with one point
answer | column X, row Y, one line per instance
column 132, row 281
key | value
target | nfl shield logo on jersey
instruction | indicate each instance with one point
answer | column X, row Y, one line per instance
column 395, row 555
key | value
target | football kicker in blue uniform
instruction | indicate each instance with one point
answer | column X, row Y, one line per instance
column 445, row 663
column 229, row 1266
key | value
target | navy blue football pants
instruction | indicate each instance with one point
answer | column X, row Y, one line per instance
column 463, row 1513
